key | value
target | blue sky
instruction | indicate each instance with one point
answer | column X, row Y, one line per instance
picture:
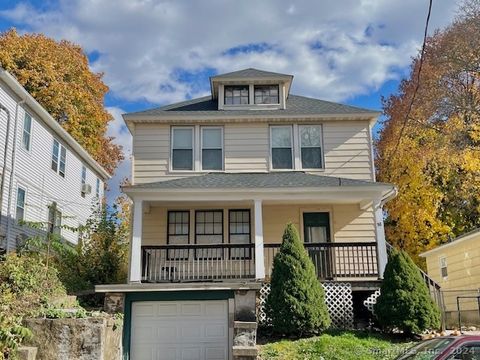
column 155, row 52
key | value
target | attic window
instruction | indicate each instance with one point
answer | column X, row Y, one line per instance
column 236, row 95
column 266, row 94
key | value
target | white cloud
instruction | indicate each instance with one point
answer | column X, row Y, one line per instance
column 122, row 136
column 142, row 42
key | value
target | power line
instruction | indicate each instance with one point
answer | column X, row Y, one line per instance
column 417, row 85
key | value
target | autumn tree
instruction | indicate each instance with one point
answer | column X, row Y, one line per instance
column 436, row 163
column 57, row 75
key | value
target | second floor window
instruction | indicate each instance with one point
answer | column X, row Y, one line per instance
column 84, row 181
column 266, row 94
column 311, row 146
column 443, row 267
column 182, row 148
column 236, row 95
column 97, row 189
column 27, row 132
column 59, row 154
column 281, row 147
column 20, row 210
column 212, row 148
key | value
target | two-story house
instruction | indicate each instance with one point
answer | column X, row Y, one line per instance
column 215, row 180
column 45, row 175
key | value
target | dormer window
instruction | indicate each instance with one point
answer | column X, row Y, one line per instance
column 266, row 94
column 236, row 95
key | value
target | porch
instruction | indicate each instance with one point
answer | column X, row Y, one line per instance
column 185, row 231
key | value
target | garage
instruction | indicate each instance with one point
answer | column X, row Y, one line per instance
column 179, row 330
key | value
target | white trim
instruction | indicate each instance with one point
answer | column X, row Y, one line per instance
column 135, row 266
column 172, row 129
column 222, row 141
column 380, row 237
column 322, row 150
column 24, row 188
column 290, row 127
column 59, row 155
column 454, row 242
column 259, row 250
column 51, row 122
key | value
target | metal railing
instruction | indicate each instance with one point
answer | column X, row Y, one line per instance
column 197, row 262
column 335, row 260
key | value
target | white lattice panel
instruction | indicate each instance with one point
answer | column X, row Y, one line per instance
column 370, row 301
column 338, row 297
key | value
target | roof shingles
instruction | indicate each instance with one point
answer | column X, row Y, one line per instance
column 292, row 179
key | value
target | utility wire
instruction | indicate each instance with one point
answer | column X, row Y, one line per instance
column 417, row 86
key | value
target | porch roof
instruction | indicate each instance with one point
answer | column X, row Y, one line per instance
column 294, row 183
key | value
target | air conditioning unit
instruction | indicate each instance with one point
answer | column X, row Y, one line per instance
column 86, row 189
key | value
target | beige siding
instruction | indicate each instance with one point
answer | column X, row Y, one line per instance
column 463, row 266
column 347, row 150
column 348, row 222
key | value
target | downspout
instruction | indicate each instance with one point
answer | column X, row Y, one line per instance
column 4, row 162
column 12, row 173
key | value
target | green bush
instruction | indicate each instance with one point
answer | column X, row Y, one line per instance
column 27, row 285
column 296, row 304
column 405, row 302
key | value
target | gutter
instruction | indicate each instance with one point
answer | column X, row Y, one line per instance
column 12, row 174
column 4, row 163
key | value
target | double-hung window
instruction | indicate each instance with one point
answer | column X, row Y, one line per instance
column 84, row 181
column 27, row 132
column 97, row 189
column 212, row 148
column 236, row 95
column 443, row 267
column 311, row 146
column 209, row 230
column 281, row 147
column 178, row 233
column 239, row 232
column 266, row 94
column 59, row 155
column 182, row 148
column 20, row 210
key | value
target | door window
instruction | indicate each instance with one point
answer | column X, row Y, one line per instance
column 316, row 227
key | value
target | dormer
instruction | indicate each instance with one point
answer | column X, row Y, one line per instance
column 251, row 89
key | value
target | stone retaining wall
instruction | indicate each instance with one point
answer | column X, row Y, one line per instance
column 94, row 338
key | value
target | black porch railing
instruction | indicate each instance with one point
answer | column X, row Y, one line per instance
column 197, row 262
column 216, row 262
column 335, row 260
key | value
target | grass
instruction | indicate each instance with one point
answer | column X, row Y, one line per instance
column 346, row 345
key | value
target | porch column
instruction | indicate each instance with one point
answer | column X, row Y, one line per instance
column 259, row 262
column 380, row 235
column 135, row 270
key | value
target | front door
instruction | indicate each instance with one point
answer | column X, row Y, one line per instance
column 316, row 232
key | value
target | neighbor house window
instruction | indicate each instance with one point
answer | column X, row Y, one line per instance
column 59, row 154
column 97, row 189
column 311, row 146
column 27, row 132
column 84, row 181
column 266, row 94
column 182, row 148
column 239, row 232
column 20, row 211
column 281, row 147
column 212, row 148
column 54, row 219
column 443, row 267
column 236, row 95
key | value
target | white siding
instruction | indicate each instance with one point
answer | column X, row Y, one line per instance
column 347, row 150
column 43, row 185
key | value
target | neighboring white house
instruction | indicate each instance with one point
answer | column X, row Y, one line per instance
column 41, row 164
column 215, row 181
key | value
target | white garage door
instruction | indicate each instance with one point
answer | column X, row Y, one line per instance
column 179, row 330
